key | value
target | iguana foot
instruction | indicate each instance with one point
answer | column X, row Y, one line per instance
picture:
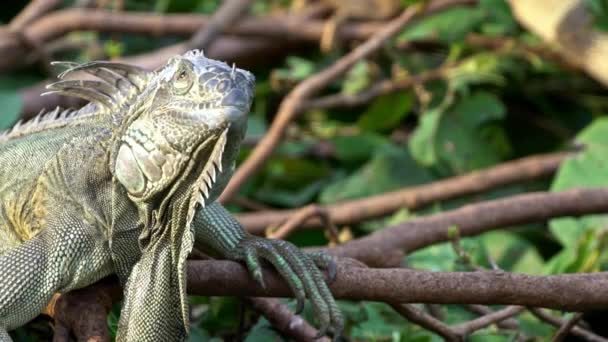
column 301, row 271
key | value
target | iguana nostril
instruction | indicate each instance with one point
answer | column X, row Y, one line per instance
column 236, row 98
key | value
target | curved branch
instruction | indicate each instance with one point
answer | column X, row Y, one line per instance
column 473, row 219
column 520, row 170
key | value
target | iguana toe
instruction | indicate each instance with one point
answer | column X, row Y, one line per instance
column 301, row 271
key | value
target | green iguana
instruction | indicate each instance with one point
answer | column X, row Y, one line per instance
column 127, row 185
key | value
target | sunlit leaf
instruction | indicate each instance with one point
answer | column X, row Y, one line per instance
column 587, row 169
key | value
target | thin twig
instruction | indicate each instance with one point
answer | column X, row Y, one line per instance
column 225, row 16
column 557, row 322
column 419, row 317
column 381, row 88
column 566, row 328
column 291, row 105
column 482, row 310
column 495, row 317
column 284, row 320
column 302, row 215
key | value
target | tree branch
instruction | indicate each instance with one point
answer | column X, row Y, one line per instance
column 572, row 292
column 349, row 212
column 473, row 219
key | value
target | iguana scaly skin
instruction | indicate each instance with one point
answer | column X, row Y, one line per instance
column 127, row 185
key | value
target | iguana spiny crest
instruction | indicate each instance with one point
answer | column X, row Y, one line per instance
column 192, row 106
column 177, row 118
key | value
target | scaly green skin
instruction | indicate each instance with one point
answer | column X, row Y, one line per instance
column 127, row 185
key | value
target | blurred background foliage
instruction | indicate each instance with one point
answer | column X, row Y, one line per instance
column 491, row 106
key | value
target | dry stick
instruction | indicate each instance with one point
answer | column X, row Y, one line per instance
column 566, row 328
column 419, row 317
column 225, row 16
column 577, row 330
column 301, row 216
column 378, row 89
column 492, row 318
column 284, row 320
column 473, row 219
column 520, row 170
column 291, row 105
column 572, row 292
column 508, row 324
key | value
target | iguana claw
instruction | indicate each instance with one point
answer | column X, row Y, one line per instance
column 301, row 271
column 326, row 262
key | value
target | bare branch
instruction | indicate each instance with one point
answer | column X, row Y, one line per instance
column 225, row 16
column 284, row 320
column 378, row 89
column 520, row 170
column 492, row 318
column 573, row 292
column 566, row 328
column 577, row 330
column 417, row 316
column 302, row 215
column 474, row 219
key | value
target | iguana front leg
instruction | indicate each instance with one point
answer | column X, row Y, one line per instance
column 69, row 253
column 216, row 229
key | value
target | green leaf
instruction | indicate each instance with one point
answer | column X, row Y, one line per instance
column 357, row 78
column 482, row 68
column 297, row 69
column 422, row 142
column 389, row 169
column 447, row 26
column 480, row 108
column 468, row 136
column 584, row 256
column 499, row 19
column 291, row 182
column 587, row 169
column 386, row 112
column 357, row 148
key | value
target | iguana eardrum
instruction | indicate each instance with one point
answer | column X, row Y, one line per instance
column 127, row 185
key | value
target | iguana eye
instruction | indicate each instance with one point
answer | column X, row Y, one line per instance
column 182, row 80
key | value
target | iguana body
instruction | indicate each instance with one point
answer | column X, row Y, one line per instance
column 127, row 185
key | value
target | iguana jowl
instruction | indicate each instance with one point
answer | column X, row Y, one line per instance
column 127, row 185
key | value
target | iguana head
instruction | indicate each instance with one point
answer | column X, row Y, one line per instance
column 195, row 110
